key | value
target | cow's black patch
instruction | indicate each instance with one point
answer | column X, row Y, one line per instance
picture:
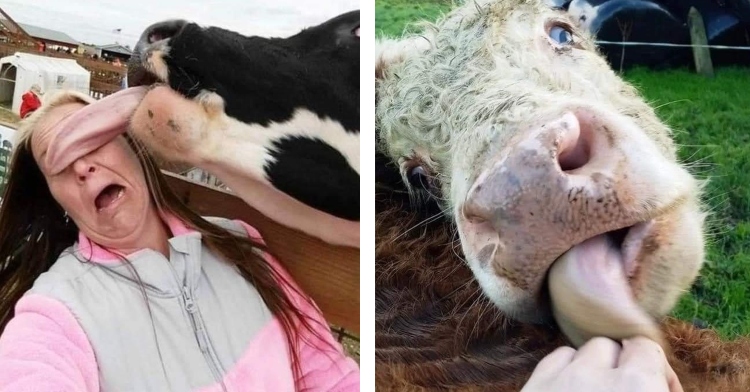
column 315, row 174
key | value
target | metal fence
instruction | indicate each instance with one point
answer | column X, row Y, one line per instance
column 664, row 44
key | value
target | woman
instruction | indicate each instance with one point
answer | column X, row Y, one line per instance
column 109, row 282
column 30, row 101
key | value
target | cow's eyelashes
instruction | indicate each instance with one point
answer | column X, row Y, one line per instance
column 562, row 36
column 418, row 173
column 418, row 177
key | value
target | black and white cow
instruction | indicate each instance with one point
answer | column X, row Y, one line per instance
column 275, row 119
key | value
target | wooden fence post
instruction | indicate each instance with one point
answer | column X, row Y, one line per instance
column 702, row 55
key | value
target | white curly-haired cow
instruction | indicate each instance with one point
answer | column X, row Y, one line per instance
column 505, row 112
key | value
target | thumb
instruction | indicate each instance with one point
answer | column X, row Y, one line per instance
column 672, row 381
column 644, row 353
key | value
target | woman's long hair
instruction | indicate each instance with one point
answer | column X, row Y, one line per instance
column 34, row 232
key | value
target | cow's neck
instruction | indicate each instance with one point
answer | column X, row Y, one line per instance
column 285, row 210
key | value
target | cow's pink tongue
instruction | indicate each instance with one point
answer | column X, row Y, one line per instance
column 92, row 127
column 591, row 295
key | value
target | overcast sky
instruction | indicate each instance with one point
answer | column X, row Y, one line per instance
column 93, row 21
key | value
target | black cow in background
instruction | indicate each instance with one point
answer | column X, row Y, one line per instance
column 727, row 22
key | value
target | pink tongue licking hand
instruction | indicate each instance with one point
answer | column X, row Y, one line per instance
column 92, row 127
column 591, row 295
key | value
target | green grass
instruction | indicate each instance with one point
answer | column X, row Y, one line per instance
column 393, row 16
column 711, row 119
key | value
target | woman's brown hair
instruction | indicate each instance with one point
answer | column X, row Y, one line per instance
column 34, row 231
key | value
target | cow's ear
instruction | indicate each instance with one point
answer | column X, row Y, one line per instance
column 347, row 29
column 389, row 51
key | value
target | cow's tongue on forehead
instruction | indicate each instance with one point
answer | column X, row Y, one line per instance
column 92, row 127
column 591, row 295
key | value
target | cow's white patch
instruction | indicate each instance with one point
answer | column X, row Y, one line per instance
column 251, row 145
column 583, row 12
column 155, row 63
column 213, row 103
column 307, row 124
column 239, row 152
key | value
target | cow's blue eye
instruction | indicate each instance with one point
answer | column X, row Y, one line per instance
column 561, row 35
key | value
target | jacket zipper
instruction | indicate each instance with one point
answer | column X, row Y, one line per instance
column 198, row 330
column 200, row 333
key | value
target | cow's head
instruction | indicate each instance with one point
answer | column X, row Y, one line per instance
column 276, row 119
column 505, row 114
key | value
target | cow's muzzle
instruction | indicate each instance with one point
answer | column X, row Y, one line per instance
column 154, row 39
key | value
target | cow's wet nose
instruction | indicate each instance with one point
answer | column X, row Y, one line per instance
column 161, row 31
column 556, row 169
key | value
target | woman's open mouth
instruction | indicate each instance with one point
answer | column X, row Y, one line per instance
column 109, row 196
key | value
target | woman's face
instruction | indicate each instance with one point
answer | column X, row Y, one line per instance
column 104, row 191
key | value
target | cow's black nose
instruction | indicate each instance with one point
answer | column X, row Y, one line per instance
column 157, row 32
column 162, row 30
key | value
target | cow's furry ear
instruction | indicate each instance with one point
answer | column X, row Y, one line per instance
column 390, row 51
column 347, row 30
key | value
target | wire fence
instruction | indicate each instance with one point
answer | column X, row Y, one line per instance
column 633, row 43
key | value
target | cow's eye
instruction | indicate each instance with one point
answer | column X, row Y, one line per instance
column 561, row 35
column 419, row 177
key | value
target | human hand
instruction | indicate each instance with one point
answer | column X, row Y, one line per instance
column 639, row 365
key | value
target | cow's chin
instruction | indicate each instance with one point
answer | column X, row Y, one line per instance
column 665, row 255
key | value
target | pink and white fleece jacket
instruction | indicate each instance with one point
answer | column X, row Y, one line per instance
column 193, row 325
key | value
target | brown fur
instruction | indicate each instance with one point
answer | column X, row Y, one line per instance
column 435, row 330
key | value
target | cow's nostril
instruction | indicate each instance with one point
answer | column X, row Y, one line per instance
column 575, row 157
column 162, row 30
column 479, row 205
column 155, row 38
column 575, row 150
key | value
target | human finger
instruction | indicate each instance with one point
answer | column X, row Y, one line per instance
column 598, row 352
column 672, row 381
column 647, row 356
column 642, row 353
column 548, row 369
column 555, row 361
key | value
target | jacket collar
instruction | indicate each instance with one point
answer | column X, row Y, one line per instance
column 93, row 252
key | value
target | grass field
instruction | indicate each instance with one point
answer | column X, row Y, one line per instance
column 711, row 119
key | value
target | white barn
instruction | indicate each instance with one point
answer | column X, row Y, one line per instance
column 21, row 70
